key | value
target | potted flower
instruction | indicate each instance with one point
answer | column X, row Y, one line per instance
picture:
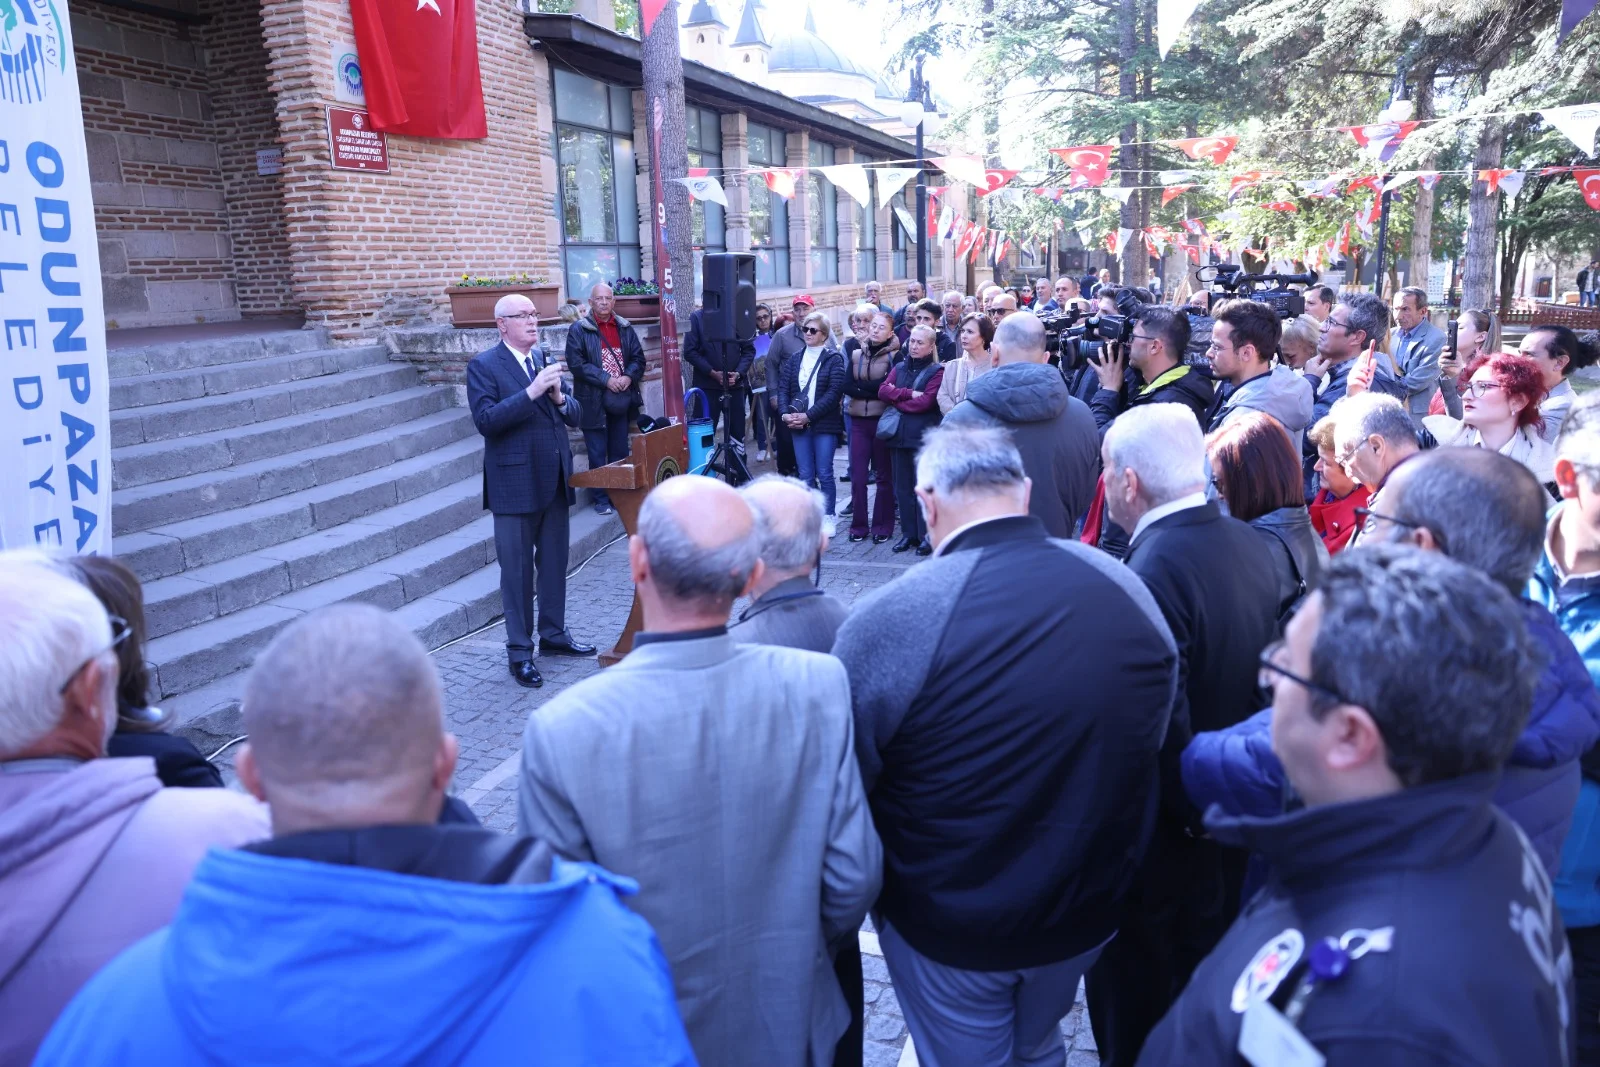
column 472, row 297
column 637, row 299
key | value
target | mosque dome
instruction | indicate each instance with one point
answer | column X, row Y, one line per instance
column 803, row 51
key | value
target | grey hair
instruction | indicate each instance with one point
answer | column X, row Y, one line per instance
column 817, row 316
column 1358, row 417
column 690, row 572
column 344, row 700
column 1579, row 440
column 509, row 303
column 1436, row 652
column 1302, row 328
column 791, row 536
column 1484, row 509
column 1021, row 334
column 958, row 459
column 1369, row 314
column 49, row 625
column 1418, row 294
column 923, row 329
column 1162, row 444
column 948, row 293
column 862, row 313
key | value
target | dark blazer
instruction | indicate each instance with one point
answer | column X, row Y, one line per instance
column 178, row 762
column 1205, row 570
column 527, row 458
column 825, row 415
column 708, row 356
column 588, row 374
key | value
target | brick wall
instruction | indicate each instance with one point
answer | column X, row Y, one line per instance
column 372, row 250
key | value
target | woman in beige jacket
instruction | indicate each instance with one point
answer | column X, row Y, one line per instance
column 976, row 333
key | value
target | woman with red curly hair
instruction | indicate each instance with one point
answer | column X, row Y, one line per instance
column 1500, row 396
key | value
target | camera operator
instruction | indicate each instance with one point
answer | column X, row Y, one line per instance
column 1155, row 372
column 1243, row 341
column 1083, row 379
column 1200, row 322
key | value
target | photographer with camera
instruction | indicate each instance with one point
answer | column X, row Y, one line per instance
column 1243, row 340
column 1151, row 370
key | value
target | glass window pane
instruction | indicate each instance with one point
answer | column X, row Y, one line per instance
column 580, row 99
column 866, row 265
column 900, row 264
column 691, row 127
column 716, row 228
column 587, row 198
column 621, row 109
column 760, row 144
column 766, row 271
column 824, row 265
column 629, row 262
column 588, row 267
column 710, row 131
column 627, row 192
column 780, row 222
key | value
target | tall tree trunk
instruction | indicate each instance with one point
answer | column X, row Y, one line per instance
column 663, row 88
column 1477, row 281
column 1128, row 157
column 1422, row 217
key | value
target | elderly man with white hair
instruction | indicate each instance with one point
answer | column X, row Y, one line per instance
column 363, row 929
column 1010, row 698
column 1204, row 569
column 94, row 853
column 722, row 777
column 1372, row 435
column 786, row 608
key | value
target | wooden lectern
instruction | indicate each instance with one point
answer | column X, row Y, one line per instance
column 652, row 458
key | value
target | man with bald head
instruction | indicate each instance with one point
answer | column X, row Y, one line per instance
column 1054, row 431
column 514, row 390
column 722, row 777
column 363, row 929
column 787, row 609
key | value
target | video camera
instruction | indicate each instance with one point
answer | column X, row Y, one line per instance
column 1076, row 344
column 1269, row 289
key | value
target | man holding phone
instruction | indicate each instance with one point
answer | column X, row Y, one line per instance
column 520, row 407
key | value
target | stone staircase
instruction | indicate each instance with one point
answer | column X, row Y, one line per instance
column 260, row 476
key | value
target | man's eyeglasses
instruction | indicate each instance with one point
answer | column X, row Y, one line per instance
column 1369, row 518
column 996, row 312
column 1330, row 322
column 119, row 633
column 1349, row 457
column 1270, row 666
column 1477, row 390
column 1142, row 336
column 522, row 316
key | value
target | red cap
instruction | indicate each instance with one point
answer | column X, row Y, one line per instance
column 804, row 298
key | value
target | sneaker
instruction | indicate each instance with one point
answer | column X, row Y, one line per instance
column 829, row 525
column 761, row 455
column 603, row 507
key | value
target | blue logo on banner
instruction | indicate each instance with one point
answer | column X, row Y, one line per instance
column 31, row 49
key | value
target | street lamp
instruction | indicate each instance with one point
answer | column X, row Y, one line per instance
column 917, row 111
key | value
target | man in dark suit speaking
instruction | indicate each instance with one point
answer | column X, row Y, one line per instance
column 514, row 390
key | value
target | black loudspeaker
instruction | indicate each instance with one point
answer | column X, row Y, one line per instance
column 728, row 310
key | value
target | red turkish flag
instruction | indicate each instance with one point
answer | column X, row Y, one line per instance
column 1371, row 181
column 1192, row 251
column 1194, row 226
column 699, row 172
column 1111, row 243
column 781, row 181
column 1244, row 181
column 1172, row 192
column 1212, row 149
column 419, row 66
column 1089, row 163
column 969, row 237
column 1589, row 185
column 994, row 179
column 1281, row 205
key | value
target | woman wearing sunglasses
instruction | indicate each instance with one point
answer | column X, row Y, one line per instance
column 808, row 403
column 1500, row 397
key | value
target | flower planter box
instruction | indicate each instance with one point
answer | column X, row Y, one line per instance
column 639, row 307
column 473, row 305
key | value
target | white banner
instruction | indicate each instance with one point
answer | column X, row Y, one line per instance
column 705, row 189
column 890, row 181
column 55, row 417
column 852, row 178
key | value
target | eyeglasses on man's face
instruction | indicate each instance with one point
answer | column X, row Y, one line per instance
column 522, row 316
column 119, row 633
column 1271, row 664
column 1330, row 322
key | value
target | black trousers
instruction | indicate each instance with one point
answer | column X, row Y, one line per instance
column 1183, row 900
column 1585, row 944
column 526, row 544
column 904, row 463
column 783, row 443
column 606, row 444
column 847, row 968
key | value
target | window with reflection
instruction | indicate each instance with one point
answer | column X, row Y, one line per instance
column 708, row 225
column 599, row 200
column 901, row 241
column 769, row 212
column 823, row 202
column 867, row 232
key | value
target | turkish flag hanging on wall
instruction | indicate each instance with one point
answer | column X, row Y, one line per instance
column 419, row 67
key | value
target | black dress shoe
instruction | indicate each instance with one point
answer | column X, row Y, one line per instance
column 905, row 544
column 925, row 549
column 857, row 537
column 527, row 675
column 569, row 647
column 879, row 539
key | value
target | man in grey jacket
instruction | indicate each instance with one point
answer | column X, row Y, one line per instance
column 1053, row 430
column 722, row 777
column 787, row 608
column 1417, row 344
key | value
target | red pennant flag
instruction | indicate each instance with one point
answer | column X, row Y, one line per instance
column 1589, row 185
column 994, row 179
column 1193, row 252
column 648, row 10
column 1371, row 181
column 420, row 67
column 1000, row 253
column 1111, row 243
column 1244, row 181
column 969, row 237
column 699, row 172
column 1194, row 226
column 1344, row 239
column 1163, row 233
column 1382, row 139
column 1212, row 149
column 780, row 181
column 1494, row 176
column 1150, row 246
column 1281, row 205
column 1172, row 192
column 1089, row 163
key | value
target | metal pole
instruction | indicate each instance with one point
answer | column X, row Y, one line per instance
column 917, row 90
column 1383, row 235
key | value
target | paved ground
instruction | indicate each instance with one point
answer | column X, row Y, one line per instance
column 487, row 710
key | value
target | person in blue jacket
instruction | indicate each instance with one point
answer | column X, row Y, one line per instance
column 362, row 932
column 1407, row 921
column 1567, row 581
column 1485, row 511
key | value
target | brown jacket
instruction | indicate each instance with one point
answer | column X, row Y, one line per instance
column 866, row 373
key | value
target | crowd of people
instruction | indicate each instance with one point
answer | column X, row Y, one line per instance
column 1253, row 689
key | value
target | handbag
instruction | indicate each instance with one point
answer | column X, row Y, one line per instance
column 888, row 423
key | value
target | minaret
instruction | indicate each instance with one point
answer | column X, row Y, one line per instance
column 705, row 36
column 750, row 51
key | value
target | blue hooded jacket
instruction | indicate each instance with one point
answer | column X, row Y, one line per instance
column 276, row 961
column 1236, row 769
column 1576, row 605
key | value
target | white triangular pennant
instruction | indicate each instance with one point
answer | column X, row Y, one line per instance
column 947, row 218
column 1120, row 195
column 1400, row 179
column 1578, row 121
column 890, row 181
column 906, row 220
column 852, row 178
column 1123, row 234
column 969, row 169
column 705, row 189
column 1174, row 177
column 1171, row 15
column 1511, row 184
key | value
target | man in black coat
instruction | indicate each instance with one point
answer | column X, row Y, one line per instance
column 1204, row 570
column 607, row 361
column 514, row 391
column 722, row 372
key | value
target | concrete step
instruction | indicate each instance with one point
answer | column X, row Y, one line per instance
column 159, row 460
column 202, row 653
column 453, row 469
column 185, row 418
column 142, row 507
column 187, row 355
column 219, row 589
column 144, row 390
